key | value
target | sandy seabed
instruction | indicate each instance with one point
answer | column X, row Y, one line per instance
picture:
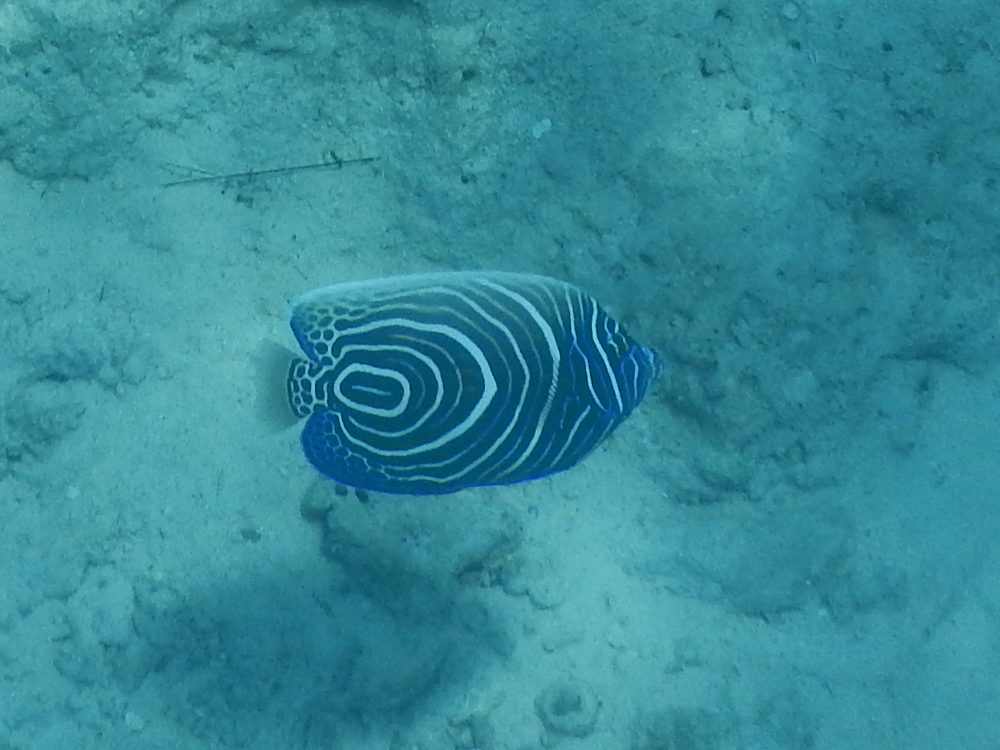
column 791, row 543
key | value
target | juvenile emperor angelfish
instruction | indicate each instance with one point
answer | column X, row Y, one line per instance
column 429, row 384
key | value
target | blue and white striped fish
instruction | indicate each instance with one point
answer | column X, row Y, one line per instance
column 429, row 384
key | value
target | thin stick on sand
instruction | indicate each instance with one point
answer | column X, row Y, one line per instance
column 332, row 163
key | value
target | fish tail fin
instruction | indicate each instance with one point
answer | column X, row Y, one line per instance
column 271, row 363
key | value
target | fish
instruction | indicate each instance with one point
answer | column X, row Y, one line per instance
column 429, row 384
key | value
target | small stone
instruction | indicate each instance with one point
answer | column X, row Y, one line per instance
column 790, row 11
column 616, row 637
column 567, row 709
column 541, row 127
column 761, row 115
column 134, row 722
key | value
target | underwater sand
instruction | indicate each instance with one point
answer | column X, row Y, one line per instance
column 790, row 544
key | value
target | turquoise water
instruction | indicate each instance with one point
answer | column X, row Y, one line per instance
column 789, row 544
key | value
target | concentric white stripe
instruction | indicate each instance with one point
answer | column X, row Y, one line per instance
column 475, row 443
column 360, row 351
column 364, row 408
column 556, row 358
column 599, row 348
column 482, row 404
